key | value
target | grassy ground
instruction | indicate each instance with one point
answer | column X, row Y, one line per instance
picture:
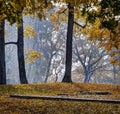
column 34, row 106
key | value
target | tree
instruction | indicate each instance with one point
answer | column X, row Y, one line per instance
column 68, row 63
column 20, row 51
column 71, row 12
column 36, row 7
column 2, row 54
column 20, row 47
column 10, row 11
column 92, row 58
column 34, row 57
column 106, row 13
column 51, row 43
column 107, row 21
column 21, row 62
column 52, row 49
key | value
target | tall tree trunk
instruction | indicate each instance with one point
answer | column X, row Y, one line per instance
column 21, row 62
column 2, row 54
column 68, row 64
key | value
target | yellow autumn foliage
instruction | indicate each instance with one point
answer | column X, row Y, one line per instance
column 106, row 39
column 32, row 56
column 108, row 46
column 54, row 17
column 29, row 31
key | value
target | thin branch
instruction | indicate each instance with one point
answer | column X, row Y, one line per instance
column 11, row 43
column 98, row 59
column 99, row 67
column 80, row 59
column 64, row 10
column 82, row 26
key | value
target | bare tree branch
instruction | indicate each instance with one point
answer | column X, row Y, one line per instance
column 11, row 43
column 82, row 26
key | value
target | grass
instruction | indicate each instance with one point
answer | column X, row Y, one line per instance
column 34, row 106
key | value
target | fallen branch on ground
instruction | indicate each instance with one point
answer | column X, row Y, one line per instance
column 65, row 98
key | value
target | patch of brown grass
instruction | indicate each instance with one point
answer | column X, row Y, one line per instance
column 32, row 106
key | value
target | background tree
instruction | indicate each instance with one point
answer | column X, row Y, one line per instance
column 49, row 41
column 40, row 44
column 92, row 58
column 51, row 44
column 106, row 13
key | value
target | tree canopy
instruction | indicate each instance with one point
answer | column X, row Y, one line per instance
column 103, row 14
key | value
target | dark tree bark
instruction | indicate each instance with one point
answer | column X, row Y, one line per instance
column 2, row 54
column 21, row 62
column 68, row 63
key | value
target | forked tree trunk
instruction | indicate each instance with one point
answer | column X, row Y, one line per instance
column 2, row 54
column 21, row 62
column 68, row 64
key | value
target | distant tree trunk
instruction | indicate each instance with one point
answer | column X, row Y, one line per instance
column 56, row 78
column 2, row 54
column 87, row 76
column 21, row 62
column 48, row 69
column 68, row 64
column 86, row 79
column 114, row 74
